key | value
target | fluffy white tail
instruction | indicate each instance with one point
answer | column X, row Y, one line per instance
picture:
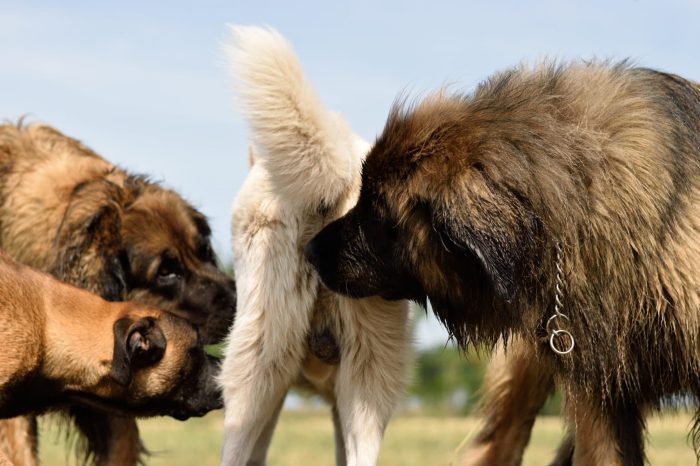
column 296, row 139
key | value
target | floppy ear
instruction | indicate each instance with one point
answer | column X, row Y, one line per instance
column 88, row 242
column 136, row 344
column 493, row 226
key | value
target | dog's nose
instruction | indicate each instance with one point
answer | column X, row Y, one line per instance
column 311, row 252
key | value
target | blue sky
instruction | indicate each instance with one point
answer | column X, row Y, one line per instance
column 144, row 82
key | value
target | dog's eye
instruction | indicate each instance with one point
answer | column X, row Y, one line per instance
column 205, row 252
column 169, row 269
column 166, row 273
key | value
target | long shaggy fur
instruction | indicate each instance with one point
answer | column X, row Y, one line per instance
column 283, row 110
column 305, row 172
column 602, row 159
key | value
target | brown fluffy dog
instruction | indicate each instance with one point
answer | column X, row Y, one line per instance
column 65, row 210
column 70, row 346
column 466, row 198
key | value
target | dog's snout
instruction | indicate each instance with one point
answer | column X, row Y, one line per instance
column 322, row 254
column 201, row 394
column 311, row 252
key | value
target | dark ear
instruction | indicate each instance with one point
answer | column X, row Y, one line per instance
column 88, row 246
column 136, row 344
column 493, row 226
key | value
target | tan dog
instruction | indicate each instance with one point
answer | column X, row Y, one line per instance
column 305, row 173
column 67, row 211
column 66, row 345
column 557, row 207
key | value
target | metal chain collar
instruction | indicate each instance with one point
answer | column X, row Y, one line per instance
column 560, row 340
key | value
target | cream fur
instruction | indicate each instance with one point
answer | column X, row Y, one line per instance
column 305, row 172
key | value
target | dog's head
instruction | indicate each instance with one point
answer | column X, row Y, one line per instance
column 158, row 367
column 434, row 218
column 123, row 237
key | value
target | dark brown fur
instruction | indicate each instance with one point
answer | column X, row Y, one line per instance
column 65, row 210
column 464, row 198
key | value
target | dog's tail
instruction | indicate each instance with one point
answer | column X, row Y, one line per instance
column 312, row 155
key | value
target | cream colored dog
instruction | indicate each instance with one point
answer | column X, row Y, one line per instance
column 305, row 172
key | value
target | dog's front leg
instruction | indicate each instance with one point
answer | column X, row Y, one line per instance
column 362, row 418
column 110, row 440
column 124, row 447
column 18, row 440
column 372, row 374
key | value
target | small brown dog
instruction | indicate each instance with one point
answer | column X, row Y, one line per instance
column 71, row 346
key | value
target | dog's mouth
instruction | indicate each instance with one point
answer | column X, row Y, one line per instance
column 103, row 404
column 149, row 408
column 349, row 288
column 404, row 288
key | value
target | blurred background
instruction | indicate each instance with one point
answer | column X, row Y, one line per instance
column 145, row 84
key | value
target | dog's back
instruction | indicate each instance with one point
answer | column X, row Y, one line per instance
column 39, row 170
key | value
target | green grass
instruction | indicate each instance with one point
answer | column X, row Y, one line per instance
column 306, row 439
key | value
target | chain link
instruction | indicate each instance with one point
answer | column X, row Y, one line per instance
column 555, row 322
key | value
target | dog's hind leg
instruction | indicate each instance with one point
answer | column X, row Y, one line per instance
column 565, row 452
column 259, row 455
column 267, row 345
column 340, row 455
column 614, row 438
column 254, row 386
column 516, row 386
column 251, row 399
column 372, row 373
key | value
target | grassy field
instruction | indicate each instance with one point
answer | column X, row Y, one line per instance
column 306, row 439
